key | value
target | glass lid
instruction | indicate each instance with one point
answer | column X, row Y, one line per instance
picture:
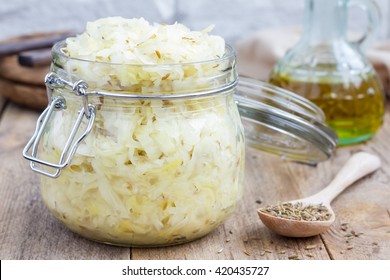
column 283, row 123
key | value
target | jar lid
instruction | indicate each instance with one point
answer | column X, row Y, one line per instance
column 283, row 123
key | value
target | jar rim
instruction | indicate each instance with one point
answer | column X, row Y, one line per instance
column 147, row 80
column 58, row 50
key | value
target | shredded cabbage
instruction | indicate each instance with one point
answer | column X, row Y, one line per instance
column 136, row 41
column 129, row 49
column 152, row 172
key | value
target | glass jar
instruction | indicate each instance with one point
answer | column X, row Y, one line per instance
column 332, row 72
column 159, row 163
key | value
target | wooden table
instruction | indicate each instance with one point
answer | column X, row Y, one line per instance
column 361, row 230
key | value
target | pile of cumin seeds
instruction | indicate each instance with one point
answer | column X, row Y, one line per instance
column 298, row 211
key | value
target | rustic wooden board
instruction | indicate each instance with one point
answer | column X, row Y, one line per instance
column 24, row 85
column 31, row 96
column 11, row 70
column 28, row 231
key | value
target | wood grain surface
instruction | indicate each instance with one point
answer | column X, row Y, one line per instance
column 361, row 230
column 30, row 96
column 24, row 85
column 11, row 70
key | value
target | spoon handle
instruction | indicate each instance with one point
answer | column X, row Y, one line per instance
column 358, row 166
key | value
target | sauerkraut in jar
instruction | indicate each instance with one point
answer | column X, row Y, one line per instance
column 163, row 162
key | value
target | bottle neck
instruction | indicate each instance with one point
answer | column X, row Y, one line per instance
column 325, row 21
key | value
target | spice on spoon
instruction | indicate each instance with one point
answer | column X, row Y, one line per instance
column 298, row 211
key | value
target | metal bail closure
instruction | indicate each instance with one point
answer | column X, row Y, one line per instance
column 59, row 103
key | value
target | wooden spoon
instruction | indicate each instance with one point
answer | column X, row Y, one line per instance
column 358, row 166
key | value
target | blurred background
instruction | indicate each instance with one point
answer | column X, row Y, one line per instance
column 260, row 30
column 234, row 19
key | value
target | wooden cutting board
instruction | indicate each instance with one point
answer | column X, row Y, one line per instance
column 23, row 85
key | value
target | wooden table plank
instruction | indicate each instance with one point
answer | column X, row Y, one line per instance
column 28, row 231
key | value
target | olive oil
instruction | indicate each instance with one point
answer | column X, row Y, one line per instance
column 353, row 106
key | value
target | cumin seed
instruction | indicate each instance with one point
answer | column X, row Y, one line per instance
column 298, row 211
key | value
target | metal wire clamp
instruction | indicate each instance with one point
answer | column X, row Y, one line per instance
column 58, row 103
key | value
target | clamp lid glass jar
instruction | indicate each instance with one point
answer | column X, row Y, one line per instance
column 165, row 166
column 148, row 165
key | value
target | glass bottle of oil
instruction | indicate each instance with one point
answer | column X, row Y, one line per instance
column 332, row 72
